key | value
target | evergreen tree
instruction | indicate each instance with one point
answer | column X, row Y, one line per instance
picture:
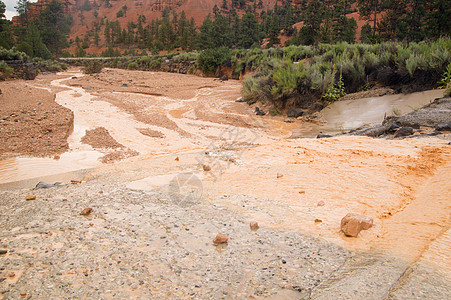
column 33, row 38
column 438, row 19
column 249, row 31
column 313, row 18
column 369, row 9
column 54, row 24
column 6, row 40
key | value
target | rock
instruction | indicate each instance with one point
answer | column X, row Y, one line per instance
column 220, row 239
column 321, row 203
column 393, row 127
column 3, row 251
column 279, row 175
column 352, row 224
column 254, row 226
column 124, row 85
column 86, row 211
column 75, row 181
column 318, row 221
column 224, row 78
column 294, row 113
column 206, row 168
column 301, row 192
column 444, row 127
column 241, row 100
column 43, row 185
column 30, row 197
column 321, row 136
column 74, row 77
column 404, row 131
column 177, row 158
column 259, row 112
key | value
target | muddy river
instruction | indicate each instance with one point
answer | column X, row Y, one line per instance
column 185, row 124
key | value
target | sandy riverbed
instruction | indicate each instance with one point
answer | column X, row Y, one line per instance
column 150, row 238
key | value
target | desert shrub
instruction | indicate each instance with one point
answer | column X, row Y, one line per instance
column 6, row 70
column 12, row 54
column 445, row 81
column 132, row 66
column 155, row 63
column 92, row 67
column 190, row 56
column 415, row 62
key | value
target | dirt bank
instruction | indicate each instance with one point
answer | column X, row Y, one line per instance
column 31, row 123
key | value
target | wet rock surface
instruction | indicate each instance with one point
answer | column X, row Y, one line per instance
column 436, row 115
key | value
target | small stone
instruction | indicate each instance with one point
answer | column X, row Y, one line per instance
column 3, row 251
column 75, row 181
column 254, row 226
column 322, row 136
column 30, row 197
column 321, row 203
column 206, row 168
column 301, row 192
column 12, row 275
column 318, row 221
column 86, row 211
column 220, row 239
column 259, row 112
column 279, row 175
column 352, row 224
column 23, row 295
column 177, row 158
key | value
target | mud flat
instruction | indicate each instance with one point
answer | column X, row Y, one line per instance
column 154, row 216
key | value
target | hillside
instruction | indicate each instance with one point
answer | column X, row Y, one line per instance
column 151, row 9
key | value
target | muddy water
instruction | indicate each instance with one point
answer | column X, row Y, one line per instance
column 342, row 116
column 22, row 168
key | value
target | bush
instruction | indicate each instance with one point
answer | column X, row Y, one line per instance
column 92, row 67
column 6, row 70
column 132, row 66
column 209, row 60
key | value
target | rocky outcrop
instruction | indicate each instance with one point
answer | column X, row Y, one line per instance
column 23, row 70
column 434, row 115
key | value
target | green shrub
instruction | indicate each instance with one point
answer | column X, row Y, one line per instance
column 209, row 60
column 92, row 67
column 132, row 66
column 6, row 70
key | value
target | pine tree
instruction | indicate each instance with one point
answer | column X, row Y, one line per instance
column 369, row 9
column 6, row 40
column 313, row 18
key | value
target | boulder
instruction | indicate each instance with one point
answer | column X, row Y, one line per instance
column 404, row 131
column 352, row 224
column 294, row 113
column 444, row 127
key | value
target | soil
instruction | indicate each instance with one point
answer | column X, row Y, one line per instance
column 100, row 138
column 31, row 123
